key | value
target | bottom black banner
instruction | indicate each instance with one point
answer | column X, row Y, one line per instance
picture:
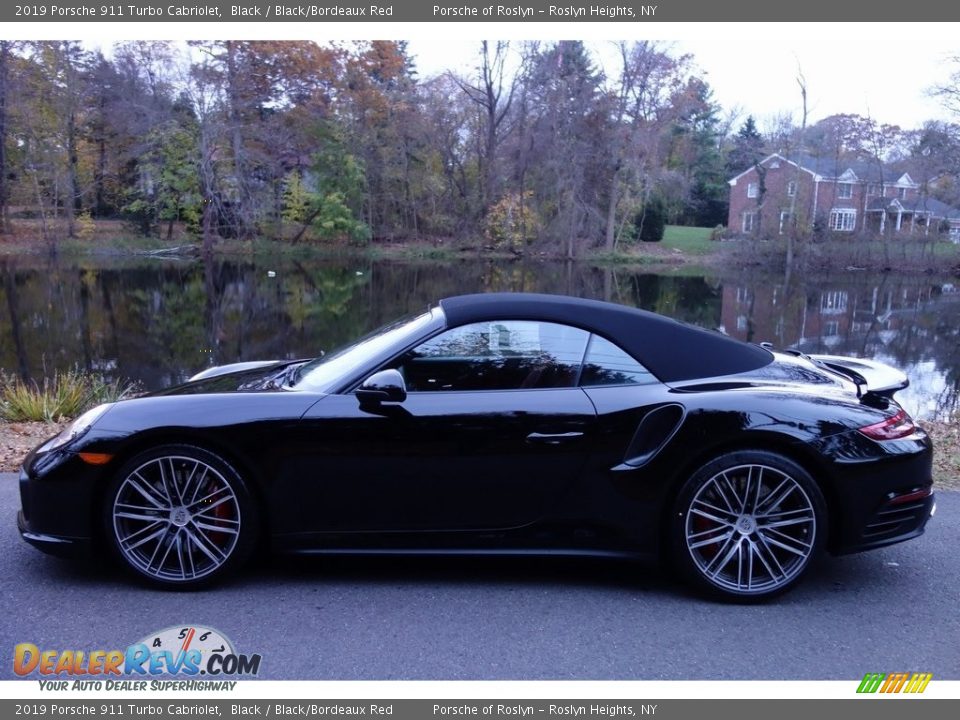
column 875, row 708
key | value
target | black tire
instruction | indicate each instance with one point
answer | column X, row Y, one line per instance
column 747, row 525
column 179, row 517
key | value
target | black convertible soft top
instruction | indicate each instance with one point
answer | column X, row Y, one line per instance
column 671, row 350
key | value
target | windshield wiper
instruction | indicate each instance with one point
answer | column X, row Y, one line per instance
column 292, row 373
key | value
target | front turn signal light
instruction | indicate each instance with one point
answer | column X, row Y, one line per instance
column 95, row 458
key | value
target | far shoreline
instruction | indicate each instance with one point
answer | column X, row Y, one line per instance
column 685, row 248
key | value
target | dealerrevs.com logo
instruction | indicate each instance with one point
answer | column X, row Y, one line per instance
column 182, row 650
column 894, row 682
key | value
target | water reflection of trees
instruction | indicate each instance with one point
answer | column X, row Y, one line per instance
column 910, row 322
column 160, row 321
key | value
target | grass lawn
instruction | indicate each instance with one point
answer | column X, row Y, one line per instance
column 690, row 240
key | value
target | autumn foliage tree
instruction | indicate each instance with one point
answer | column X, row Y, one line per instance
column 537, row 147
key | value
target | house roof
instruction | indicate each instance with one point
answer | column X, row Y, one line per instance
column 823, row 168
column 733, row 181
column 924, row 205
column 864, row 170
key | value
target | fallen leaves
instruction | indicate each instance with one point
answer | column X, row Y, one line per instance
column 946, row 453
column 18, row 439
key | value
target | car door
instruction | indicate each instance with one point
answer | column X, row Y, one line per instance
column 636, row 417
column 493, row 426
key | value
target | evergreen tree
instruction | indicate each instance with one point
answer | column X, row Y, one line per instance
column 747, row 148
column 650, row 222
column 696, row 155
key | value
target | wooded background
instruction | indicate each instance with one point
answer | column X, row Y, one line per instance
column 534, row 148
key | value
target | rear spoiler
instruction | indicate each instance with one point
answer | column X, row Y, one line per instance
column 869, row 376
column 235, row 367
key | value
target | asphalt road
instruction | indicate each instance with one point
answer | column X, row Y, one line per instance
column 443, row 619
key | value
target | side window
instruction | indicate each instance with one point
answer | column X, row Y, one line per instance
column 496, row 355
column 606, row 364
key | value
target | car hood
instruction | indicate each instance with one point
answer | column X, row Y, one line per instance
column 259, row 376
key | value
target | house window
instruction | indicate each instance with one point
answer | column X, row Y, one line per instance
column 902, row 193
column 786, row 220
column 831, row 328
column 844, row 191
column 791, row 188
column 753, row 189
column 749, row 222
column 843, row 219
column 873, row 189
column 832, row 302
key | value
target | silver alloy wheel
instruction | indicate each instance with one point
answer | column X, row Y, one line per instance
column 751, row 529
column 176, row 518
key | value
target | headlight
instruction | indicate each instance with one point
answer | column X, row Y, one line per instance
column 75, row 429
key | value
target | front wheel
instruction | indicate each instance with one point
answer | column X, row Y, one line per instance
column 179, row 516
column 746, row 525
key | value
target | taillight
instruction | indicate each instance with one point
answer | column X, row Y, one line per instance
column 894, row 427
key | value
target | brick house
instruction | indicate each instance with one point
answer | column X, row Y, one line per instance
column 845, row 197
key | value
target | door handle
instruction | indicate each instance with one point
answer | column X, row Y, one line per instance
column 552, row 438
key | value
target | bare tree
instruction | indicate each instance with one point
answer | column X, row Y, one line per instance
column 567, row 135
column 66, row 60
column 644, row 104
column 6, row 50
column 205, row 100
column 794, row 225
column 949, row 92
column 493, row 95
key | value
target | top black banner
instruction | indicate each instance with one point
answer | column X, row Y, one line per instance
column 512, row 11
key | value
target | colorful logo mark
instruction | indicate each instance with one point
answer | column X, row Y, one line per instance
column 179, row 650
column 894, row 682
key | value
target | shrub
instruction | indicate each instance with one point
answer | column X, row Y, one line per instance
column 651, row 221
column 86, row 227
column 64, row 396
column 513, row 222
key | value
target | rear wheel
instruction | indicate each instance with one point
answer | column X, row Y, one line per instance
column 747, row 525
column 180, row 517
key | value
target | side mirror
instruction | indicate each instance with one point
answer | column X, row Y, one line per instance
column 384, row 386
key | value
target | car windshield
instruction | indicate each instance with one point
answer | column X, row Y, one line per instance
column 320, row 374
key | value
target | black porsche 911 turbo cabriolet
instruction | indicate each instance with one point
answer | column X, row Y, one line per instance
column 498, row 423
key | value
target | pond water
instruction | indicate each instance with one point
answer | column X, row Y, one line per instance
column 160, row 321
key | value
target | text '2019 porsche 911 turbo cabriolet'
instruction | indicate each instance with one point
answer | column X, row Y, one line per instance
column 498, row 423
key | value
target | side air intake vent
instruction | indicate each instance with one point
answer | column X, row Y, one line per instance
column 656, row 428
